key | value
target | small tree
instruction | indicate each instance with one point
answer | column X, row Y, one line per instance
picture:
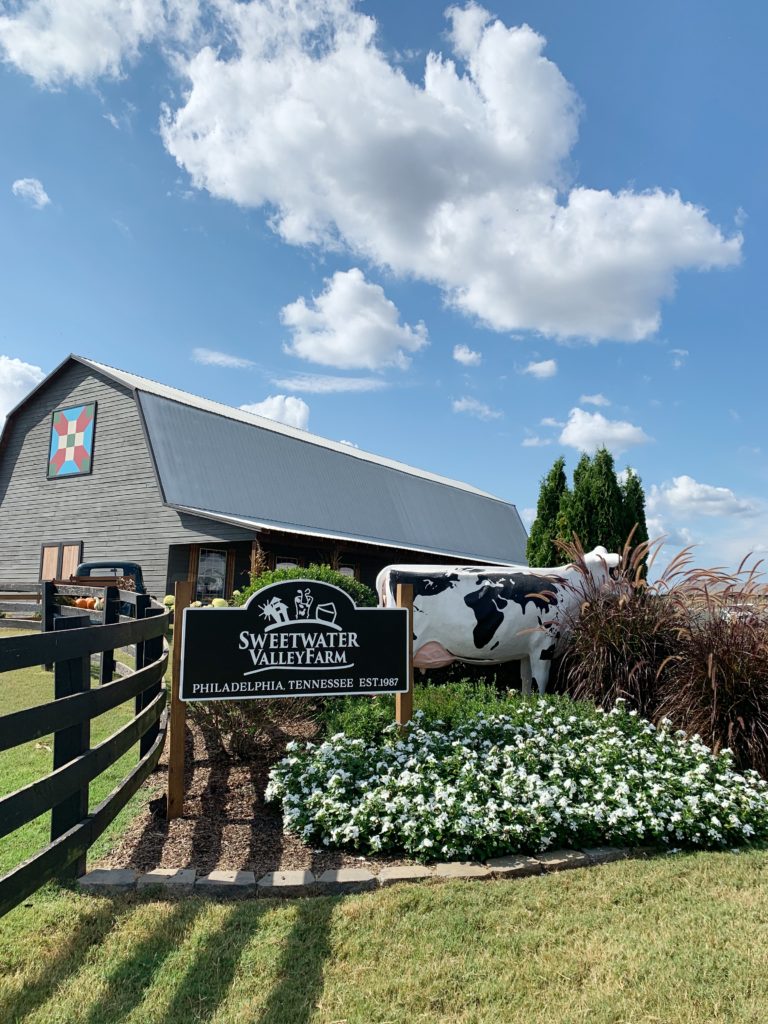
column 633, row 508
column 579, row 513
column 598, row 510
column 607, row 505
column 541, row 549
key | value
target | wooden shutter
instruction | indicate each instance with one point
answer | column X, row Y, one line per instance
column 49, row 562
column 70, row 559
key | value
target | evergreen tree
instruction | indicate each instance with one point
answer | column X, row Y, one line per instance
column 607, row 517
column 598, row 510
column 579, row 513
column 541, row 549
column 563, row 524
column 633, row 508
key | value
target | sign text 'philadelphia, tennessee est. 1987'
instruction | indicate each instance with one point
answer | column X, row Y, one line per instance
column 301, row 638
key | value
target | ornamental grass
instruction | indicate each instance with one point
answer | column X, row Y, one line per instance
column 691, row 646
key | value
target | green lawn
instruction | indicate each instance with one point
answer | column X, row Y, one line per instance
column 24, row 764
column 679, row 940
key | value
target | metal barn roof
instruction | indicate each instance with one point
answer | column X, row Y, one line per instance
column 225, row 464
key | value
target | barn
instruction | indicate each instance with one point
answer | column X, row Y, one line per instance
column 97, row 463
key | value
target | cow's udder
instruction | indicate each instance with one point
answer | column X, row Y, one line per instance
column 432, row 655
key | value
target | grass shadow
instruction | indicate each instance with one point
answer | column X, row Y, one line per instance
column 300, row 971
column 130, row 978
column 91, row 929
column 208, row 979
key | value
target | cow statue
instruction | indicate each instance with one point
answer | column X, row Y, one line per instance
column 484, row 615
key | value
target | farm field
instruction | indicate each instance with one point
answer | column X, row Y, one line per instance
column 22, row 765
column 678, row 940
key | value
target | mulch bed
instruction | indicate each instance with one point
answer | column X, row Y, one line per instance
column 226, row 825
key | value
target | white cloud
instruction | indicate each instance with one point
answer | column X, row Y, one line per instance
column 549, row 421
column 594, row 400
column 674, row 536
column 588, row 431
column 31, row 190
column 320, row 384
column 350, row 443
column 284, row 408
column 17, row 378
column 466, row 356
column 679, row 355
column 458, row 179
column 351, row 325
column 473, row 407
column 528, row 515
column 687, row 497
column 542, row 370
column 56, row 41
column 532, row 441
column 210, row 357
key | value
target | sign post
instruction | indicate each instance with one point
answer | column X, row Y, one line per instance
column 183, row 596
column 404, row 701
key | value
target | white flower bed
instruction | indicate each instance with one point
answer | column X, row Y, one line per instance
column 529, row 781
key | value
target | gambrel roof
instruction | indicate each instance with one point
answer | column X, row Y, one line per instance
column 222, row 463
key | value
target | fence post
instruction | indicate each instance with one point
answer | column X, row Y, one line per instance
column 183, row 597
column 153, row 651
column 142, row 604
column 404, row 701
column 71, row 676
column 47, row 591
column 111, row 615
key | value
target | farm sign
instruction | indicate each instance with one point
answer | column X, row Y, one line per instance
column 300, row 638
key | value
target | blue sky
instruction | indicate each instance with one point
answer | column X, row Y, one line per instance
column 577, row 209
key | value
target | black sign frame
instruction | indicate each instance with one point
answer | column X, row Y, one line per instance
column 378, row 639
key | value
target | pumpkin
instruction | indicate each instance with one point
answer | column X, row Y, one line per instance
column 81, row 602
column 90, row 602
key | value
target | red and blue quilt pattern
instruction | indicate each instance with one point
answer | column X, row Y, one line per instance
column 72, row 441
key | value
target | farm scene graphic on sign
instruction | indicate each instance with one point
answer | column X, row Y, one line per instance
column 71, row 451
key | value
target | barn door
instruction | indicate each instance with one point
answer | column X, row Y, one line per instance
column 70, row 559
column 59, row 561
column 49, row 562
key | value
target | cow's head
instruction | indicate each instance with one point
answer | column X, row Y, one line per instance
column 601, row 565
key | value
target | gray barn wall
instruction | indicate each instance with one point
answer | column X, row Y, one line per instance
column 117, row 511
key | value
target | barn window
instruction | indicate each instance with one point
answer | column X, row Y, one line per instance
column 211, row 574
column 285, row 562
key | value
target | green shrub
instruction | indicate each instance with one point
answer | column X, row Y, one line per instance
column 359, row 592
column 444, row 706
column 241, row 729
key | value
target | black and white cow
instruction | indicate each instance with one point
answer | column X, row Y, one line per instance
column 489, row 614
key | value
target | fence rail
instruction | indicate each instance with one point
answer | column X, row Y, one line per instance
column 72, row 635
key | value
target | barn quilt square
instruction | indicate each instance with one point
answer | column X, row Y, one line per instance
column 71, row 451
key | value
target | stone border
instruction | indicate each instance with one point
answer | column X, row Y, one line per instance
column 286, row 884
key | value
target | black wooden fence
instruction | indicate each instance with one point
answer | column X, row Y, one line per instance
column 72, row 635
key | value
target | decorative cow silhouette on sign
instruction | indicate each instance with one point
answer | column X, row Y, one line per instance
column 485, row 615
